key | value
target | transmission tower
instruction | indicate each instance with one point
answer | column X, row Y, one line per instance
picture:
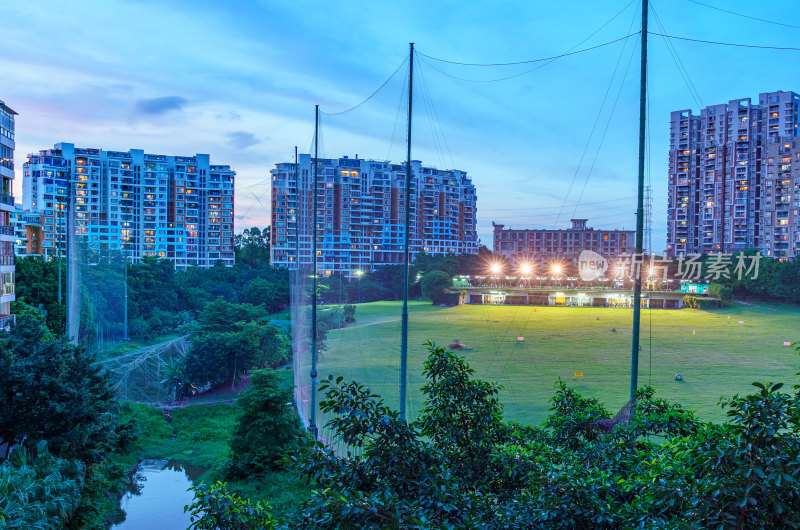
column 648, row 220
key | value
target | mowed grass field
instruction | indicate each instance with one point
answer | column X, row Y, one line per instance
column 716, row 354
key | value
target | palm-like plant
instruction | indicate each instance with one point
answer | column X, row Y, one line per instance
column 38, row 490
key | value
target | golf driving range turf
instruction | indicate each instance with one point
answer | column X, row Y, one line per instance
column 718, row 353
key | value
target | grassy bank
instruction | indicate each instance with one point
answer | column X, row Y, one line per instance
column 199, row 435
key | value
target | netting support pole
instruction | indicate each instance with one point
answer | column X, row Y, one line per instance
column 637, row 280
column 297, row 217
column 125, row 337
column 406, row 249
column 312, row 427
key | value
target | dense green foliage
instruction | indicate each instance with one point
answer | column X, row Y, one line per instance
column 434, row 285
column 776, row 280
column 38, row 489
column 252, row 247
column 386, row 282
column 160, row 298
column 459, row 465
column 201, row 436
column 268, row 427
column 50, row 393
column 216, row 507
column 229, row 339
column 36, row 284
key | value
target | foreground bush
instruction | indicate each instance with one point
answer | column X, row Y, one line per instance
column 460, row 465
column 217, row 508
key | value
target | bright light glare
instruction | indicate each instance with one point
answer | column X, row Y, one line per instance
column 525, row 269
column 557, row 269
column 496, row 268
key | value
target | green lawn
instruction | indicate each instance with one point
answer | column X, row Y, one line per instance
column 716, row 355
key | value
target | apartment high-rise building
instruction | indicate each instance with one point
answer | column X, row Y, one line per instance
column 361, row 213
column 174, row 207
column 546, row 245
column 7, row 235
column 732, row 185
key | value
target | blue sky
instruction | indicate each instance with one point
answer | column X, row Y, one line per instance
column 239, row 80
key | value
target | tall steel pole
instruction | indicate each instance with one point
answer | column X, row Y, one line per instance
column 313, row 416
column 406, row 249
column 637, row 281
column 58, row 250
column 125, row 336
column 297, row 216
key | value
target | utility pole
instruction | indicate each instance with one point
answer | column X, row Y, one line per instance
column 404, row 335
column 637, row 281
column 313, row 415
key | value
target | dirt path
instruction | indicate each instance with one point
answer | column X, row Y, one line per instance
column 753, row 305
column 196, row 404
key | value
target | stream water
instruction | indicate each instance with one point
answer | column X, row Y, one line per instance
column 158, row 495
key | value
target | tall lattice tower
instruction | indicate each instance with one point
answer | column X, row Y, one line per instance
column 648, row 220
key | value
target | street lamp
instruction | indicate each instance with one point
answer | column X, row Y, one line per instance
column 525, row 269
column 358, row 274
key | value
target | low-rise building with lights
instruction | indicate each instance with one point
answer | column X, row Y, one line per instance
column 567, row 296
column 536, row 247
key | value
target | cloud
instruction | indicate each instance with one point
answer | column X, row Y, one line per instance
column 160, row 105
column 241, row 139
column 231, row 115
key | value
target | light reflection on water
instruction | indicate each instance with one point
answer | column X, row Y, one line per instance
column 157, row 499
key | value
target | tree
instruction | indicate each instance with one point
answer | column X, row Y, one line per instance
column 230, row 338
column 36, row 283
column 263, row 292
column 434, row 285
column 268, row 428
column 151, row 288
column 720, row 291
column 51, row 390
column 252, row 247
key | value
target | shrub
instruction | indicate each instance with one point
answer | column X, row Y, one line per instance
column 268, row 428
column 215, row 507
column 721, row 292
column 434, row 285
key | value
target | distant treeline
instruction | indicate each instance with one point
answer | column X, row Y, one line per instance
column 160, row 298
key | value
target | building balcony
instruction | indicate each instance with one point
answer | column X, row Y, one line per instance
column 6, row 321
